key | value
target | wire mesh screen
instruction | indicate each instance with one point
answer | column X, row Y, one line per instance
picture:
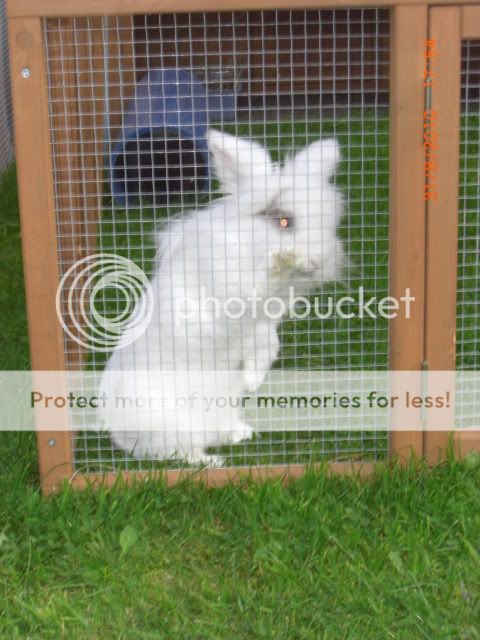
column 6, row 115
column 468, row 282
column 139, row 174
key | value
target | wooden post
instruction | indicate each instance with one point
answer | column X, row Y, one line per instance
column 39, row 240
column 407, row 214
column 66, row 8
column 442, row 213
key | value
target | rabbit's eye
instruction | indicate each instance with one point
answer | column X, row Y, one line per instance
column 279, row 216
column 284, row 219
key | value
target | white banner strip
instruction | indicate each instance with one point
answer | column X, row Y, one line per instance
column 293, row 400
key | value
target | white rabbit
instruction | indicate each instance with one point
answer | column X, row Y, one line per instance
column 274, row 230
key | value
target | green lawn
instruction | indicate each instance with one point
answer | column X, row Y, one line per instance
column 393, row 557
column 397, row 556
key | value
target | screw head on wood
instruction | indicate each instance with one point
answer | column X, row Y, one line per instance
column 26, row 73
column 52, row 442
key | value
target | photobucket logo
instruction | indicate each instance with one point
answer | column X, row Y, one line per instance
column 292, row 306
column 104, row 301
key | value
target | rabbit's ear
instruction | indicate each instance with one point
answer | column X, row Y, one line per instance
column 237, row 161
column 319, row 159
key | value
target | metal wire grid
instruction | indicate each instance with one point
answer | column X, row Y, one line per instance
column 468, row 282
column 6, row 115
column 294, row 76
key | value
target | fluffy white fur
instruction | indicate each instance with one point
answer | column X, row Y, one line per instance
column 228, row 249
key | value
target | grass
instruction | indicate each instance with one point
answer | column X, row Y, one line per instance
column 13, row 324
column 396, row 556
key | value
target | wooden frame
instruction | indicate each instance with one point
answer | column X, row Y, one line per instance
column 37, row 210
column 219, row 477
column 470, row 22
column 442, row 212
column 426, row 338
column 67, row 8
column 407, row 208
column 447, row 27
